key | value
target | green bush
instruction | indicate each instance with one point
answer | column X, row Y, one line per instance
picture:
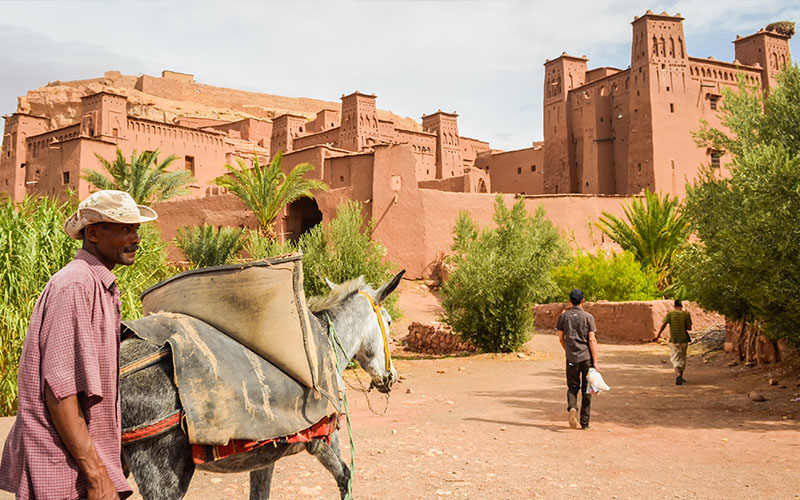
column 500, row 273
column 207, row 246
column 343, row 249
column 260, row 247
column 615, row 277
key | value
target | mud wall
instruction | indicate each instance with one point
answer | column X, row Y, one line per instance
column 623, row 322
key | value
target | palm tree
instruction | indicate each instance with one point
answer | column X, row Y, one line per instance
column 144, row 178
column 266, row 190
column 654, row 232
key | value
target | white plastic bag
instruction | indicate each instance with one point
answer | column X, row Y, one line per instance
column 595, row 382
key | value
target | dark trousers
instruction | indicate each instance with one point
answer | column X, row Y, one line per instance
column 576, row 380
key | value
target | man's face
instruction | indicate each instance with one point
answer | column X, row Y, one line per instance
column 114, row 243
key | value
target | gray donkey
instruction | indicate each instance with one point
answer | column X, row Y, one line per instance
column 162, row 465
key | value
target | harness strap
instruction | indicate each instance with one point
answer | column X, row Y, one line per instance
column 141, row 364
column 377, row 309
column 145, row 431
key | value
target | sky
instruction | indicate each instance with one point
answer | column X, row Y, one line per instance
column 481, row 58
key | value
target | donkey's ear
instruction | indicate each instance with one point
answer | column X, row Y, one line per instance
column 385, row 290
column 330, row 283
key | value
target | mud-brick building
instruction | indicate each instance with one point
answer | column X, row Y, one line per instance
column 619, row 131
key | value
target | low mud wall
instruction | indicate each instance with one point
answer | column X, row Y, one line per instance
column 623, row 322
column 435, row 338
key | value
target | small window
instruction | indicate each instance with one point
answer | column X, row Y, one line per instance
column 715, row 157
column 189, row 165
column 533, row 168
column 115, row 132
column 671, row 107
column 341, row 178
column 640, row 167
column 66, row 178
column 713, row 101
column 519, row 170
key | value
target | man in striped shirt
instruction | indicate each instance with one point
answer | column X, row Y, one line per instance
column 680, row 323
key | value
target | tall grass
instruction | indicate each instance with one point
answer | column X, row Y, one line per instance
column 33, row 247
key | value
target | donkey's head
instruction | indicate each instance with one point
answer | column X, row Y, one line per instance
column 373, row 354
column 363, row 325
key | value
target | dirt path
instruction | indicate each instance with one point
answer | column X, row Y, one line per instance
column 495, row 427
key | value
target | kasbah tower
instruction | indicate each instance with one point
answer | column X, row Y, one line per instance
column 611, row 131
column 608, row 134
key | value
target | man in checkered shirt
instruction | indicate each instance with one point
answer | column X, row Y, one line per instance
column 65, row 443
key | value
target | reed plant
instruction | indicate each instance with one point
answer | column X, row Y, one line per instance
column 33, row 247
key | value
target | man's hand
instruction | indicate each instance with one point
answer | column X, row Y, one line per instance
column 100, row 486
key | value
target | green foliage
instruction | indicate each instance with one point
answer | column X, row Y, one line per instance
column 266, row 190
column 343, row 249
column 260, row 247
column 33, row 247
column 500, row 273
column 615, row 277
column 144, row 178
column 746, row 263
column 654, row 230
column 207, row 246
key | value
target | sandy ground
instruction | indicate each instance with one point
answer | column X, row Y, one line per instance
column 495, row 427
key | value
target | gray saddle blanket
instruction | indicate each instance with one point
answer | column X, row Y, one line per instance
column 228, row 392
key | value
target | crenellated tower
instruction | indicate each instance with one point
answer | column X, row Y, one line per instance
column 661, row 102
column 359, row 126
column 561, row 75
column 18, row 127
column 104, row 116
column 448, row 149
column 768, row 49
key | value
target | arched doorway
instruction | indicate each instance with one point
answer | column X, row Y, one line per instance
column 482, row 186
column 301, row 216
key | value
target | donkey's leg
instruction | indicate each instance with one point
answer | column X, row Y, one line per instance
column 330, row 456
column 261, row 482
column 162, row 466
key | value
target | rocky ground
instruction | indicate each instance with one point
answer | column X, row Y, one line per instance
column 495, row 427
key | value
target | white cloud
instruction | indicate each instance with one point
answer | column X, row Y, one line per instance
column 483, row 59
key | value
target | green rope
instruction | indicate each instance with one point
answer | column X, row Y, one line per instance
column 334, row 342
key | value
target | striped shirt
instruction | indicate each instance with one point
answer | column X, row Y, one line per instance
column 680, row 322
column 73, row 346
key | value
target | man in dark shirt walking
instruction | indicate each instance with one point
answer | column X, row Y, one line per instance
column 577, row 333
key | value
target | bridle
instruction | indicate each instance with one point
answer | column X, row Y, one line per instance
column 377, row 309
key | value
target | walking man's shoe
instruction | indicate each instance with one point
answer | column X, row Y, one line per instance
column 679, row 380
column 573, row 418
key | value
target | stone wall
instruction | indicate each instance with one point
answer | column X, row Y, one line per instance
column 623, row 322
column 435, row 338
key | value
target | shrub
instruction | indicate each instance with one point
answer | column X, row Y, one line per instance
column 343, row 249
column 615, row 277
column 206, row 246
column 500, row 273
column 260, row 246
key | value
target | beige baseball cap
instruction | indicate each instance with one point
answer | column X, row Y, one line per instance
column 107, row 206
